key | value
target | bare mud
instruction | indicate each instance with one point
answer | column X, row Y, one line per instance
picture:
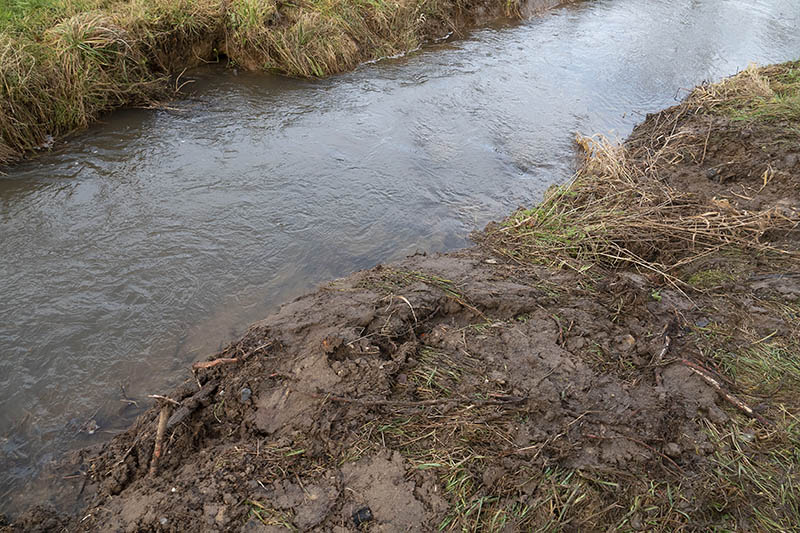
column 491, row 350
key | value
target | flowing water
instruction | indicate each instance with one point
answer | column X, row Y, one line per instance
column 154, row 238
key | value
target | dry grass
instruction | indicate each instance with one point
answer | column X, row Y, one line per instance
column 615, row 214
column 65, row 62
column 756, row 94
column 618, row 213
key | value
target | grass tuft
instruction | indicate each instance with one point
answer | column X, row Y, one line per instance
column 769, row 94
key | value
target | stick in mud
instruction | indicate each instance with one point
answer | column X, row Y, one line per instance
column 162, row 428
column 728, row 396
column 225, row 360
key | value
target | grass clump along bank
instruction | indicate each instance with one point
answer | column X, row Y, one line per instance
column 65, row 62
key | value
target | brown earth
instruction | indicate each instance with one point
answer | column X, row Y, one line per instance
column 466, row 390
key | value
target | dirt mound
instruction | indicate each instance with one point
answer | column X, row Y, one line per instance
column 736, row 140
column 377, row 388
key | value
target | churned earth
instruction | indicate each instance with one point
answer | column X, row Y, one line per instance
column 626, row 355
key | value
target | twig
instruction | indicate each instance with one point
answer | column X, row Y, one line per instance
column 162, row 428
column 726, row 395
column 225, row 360
column 210, row 364
column 413, row 314
column 164, row 399
column 705, row 146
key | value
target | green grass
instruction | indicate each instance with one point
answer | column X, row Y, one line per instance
column 755, row 474
column 268, row 516
column 765, row 95
column 709, row 278
column 32, row 17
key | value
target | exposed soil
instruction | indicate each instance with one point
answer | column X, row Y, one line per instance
column 463, row 390
column 751, row 165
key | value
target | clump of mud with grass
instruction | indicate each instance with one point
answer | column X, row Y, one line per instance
column 623, row 356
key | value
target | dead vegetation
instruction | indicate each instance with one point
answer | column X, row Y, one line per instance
column 617, row 214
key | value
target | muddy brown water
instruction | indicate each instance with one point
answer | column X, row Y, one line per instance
column 152, row 239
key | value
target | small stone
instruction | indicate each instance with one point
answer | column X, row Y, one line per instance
column 790, row 161
column 636, row 522
column 163, row 521
column 362, row 515
column 626, row 343
column 221, row 518
column 672, row 449
column 244, row 394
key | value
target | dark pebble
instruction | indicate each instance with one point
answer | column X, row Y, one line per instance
column 362, row 516
column 245, row 394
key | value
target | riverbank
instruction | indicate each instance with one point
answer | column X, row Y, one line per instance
column 65, row 63
column 624, row 355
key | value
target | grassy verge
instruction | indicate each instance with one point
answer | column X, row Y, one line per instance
column 770, row 94
column 64, row 62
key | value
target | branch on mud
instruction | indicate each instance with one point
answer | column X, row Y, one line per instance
column 191, row 404
column 165, row 421
column 739, row 404
column 210, row 364
column 225, row 360
column 160, row 430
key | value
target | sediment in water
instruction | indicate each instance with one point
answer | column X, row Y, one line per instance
column 624, row 355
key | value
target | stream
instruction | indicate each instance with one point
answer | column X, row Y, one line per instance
column 156, row 237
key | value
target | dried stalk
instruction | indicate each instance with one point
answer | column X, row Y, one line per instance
column 739, row 404
column 161, row 429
